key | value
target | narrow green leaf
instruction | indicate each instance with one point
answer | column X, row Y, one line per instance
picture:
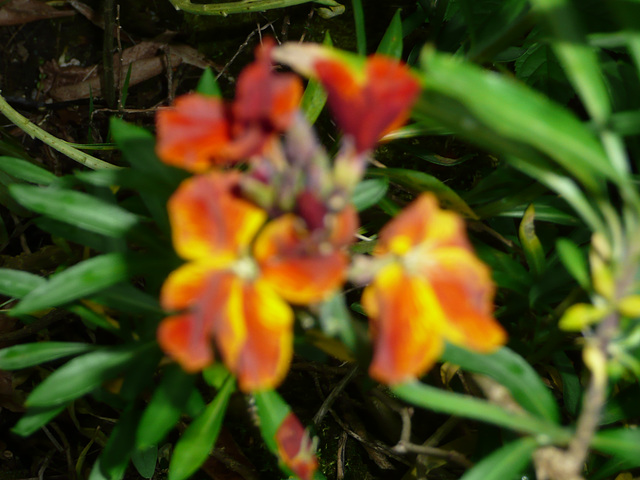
column 18, row 283
column 208, row 85
column 198, row 439
column 505, row 463
column 76, row 208
column 78, row 281
column 166, row 405
column 84, row 374
column 574, row 260
column 531, row 243
column 369, row 192
column 571, row 388
column 622, row 443
column 391, row 43
column 512, row 371
column 441, row 401
column 502, row 114
column 579, row 60
column 27, row 171
column 114, row 459
column 358, row 18
column 314, row 97
column 336, row 322
column 29, row 354
column 36, row 418
column 419, row 182
column 145, row 461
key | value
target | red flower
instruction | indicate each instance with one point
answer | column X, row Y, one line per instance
column 199, row 132
column 295, row 448
column 367, row 101
column 431, row 288
column 239, row 277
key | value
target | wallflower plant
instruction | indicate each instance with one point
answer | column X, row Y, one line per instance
column 249, row 245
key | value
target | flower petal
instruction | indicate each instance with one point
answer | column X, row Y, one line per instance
column 182, row 338
column 422, row 223
column 209, row 221
column 254, row 334
column 299, row 267
column 368, row 110
column 185, row 285
column 406, row 323
column 264, row 97
column 187, row 338
column 465, row 292
column 193, row 133
column 295, row 447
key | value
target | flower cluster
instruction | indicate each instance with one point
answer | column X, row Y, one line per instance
column 277, row 234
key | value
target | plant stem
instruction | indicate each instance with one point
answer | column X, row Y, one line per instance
column 54, row 142
column 246, row 6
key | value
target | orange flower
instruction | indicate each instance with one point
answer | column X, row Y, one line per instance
column 295, row 448
column 366, row 102
column 199, row 132
column 431, row 288
column 225, row 295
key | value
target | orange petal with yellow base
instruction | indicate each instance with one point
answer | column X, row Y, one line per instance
column 184, row 338
column 253, row 331
column 465, row 291
column 209, row 220
column 301, row 269
column 406, row 322
column 295, row 448
column 366, row 106
column 193, row 133
column 423, row 224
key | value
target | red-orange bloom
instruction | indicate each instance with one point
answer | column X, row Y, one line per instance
column 365, row 102
column 432, row 288
column 230, row 292
column 295, row 448
column 199, row 132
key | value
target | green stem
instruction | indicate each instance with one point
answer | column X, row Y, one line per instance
column 450, row 403
column 54, row 142
column 245, row 6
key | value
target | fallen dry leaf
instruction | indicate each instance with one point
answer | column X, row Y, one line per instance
column 147, row 59
column 17, row 12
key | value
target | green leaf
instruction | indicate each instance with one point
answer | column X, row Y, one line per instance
column 580, row 60
column 145, row 461
column 272, row 410
column 166, row 405
column 505, row 463
column 531, row 243
column 29, row 354
column 369, row 192
column 27, row 171
column 571, row 388
column 512, row 371
column 506, row 116
column 419, row 182
column 575, row 261
column 621, row 443
column 336, row 322
column 314, row 97
column 361, row 31
column 198, row 439
column 391, row 43
column 208, row 85
column 441, row 401
column 539, row 68
column 78, row 281
column 18, row 283
column 84, row 374
column 36, row 418
column 114, row 459
column 76, row 208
